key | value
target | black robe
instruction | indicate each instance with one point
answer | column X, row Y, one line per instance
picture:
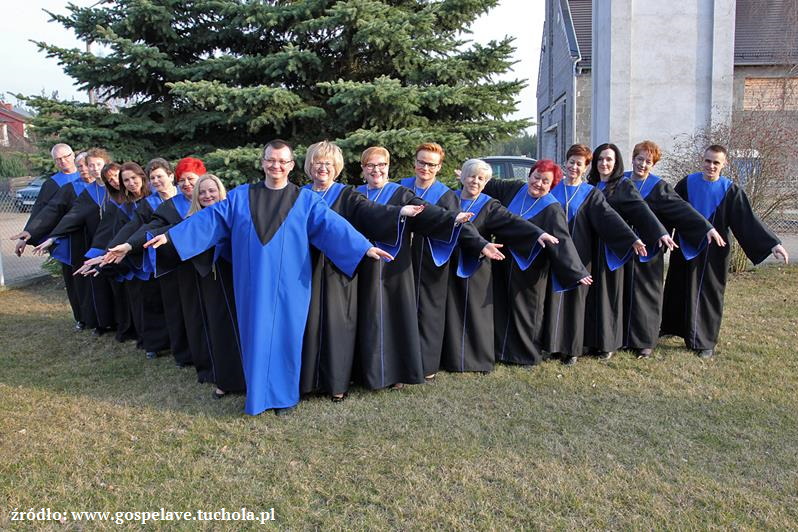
column 41, row 228
column 468, row 340
column 644, row 278
column 194, row 324
column 328, row 345
column 592, row 221
column 694, row 290
column 47, row 192
column 171, row 313
column 388, row 348
column 519, row 295
column 604, row 305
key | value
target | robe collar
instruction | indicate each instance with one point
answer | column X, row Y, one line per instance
column 431, row 194
column 467, row 265
column 330, row 196
column 705, row 196
column 644, row 186
column 571, row 197
column 382, row 195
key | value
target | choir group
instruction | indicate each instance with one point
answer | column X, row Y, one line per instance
column 276, row 291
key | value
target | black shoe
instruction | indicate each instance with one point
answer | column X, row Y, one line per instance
column 97, row 332
column 605, row 355
column 430, row 378
column 644, row 353
column 339, row 398
column 705, row 353
column 569, row 360
column 151, row 355
column 284, row 411
column 79, row 326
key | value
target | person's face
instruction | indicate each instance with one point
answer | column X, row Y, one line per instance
column 132, row 182
column 64, row 159
column 714, row 162
column 473, row 184
column 208, row 193
column 539, row 183
column 113, row 178
column 642, row 164
column 160, row 181
column 428, row 163
column 277, row 164
column 83, row 168
column 322, row 171
column 375, row 171
column 95, row 166
column 605, row 163
column 575, row 166
column 186, row 183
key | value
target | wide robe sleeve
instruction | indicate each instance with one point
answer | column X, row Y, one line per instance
column 516, row 232
column 48, row 191
column 141, row 217
column 563, row 257
column 434, row 222
column 503, row 190
column 51, row 214
column 608, row 224
column 628, row 202
column 204, row 229
column 375, row 221
column 76, row 217
column 676, row 213
column 336, row 238
column 756, row 239
column 159, row 223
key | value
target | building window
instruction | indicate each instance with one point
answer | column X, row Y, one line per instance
column 770, row 94
column 3, row 135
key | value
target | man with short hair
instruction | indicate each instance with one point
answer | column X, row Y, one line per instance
column 270, row 226
column 64, row 159
column 693, row 301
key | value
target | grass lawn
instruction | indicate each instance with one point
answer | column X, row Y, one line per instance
column 670, row 442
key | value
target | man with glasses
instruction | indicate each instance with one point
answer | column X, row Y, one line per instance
column 271, row 226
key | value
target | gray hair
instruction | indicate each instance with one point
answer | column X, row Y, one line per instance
column 58, row 146
column 82, row 155
column 476, row 167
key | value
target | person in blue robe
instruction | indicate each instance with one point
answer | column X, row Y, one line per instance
column 271, row 226
column 694, row 289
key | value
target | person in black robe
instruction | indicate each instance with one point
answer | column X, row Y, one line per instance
column 388, row 349
column 75, row 212
column 328, row 346
column 168, row 214
column 604, row 306
column 64, row 159
column 694, row 289
column 520, row 284
column 644, row 277
column 468, row 328
column 590, row 219
column 163, row 186
column 431, row 260
column 213, row 275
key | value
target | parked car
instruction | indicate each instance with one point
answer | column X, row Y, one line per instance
column 510, row 166
column 25, row 197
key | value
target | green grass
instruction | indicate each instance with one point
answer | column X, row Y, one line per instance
column 670, row 442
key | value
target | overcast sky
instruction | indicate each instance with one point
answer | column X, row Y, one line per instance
column 27, row 71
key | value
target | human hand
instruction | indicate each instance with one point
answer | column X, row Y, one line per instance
column 42, row 248
column 546, row 238
column 492, row 251
column 640, row 248
column 377, row 254
column 463, row 217
column 780, row 253
column 714, row 236
column 116, row 254
column 586, row 281
column 410, row 211
column 668, row 242
column 156, row 241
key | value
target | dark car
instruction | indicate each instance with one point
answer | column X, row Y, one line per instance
column 25, row 197
column 510, row 166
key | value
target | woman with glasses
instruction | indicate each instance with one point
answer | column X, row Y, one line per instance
column 388, row 343
column 329, row 341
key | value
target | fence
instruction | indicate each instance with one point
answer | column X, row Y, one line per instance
column 13, row 216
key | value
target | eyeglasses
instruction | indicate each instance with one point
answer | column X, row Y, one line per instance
column 280, row 162
column 424, row 164
column 64, row 157
column 372, row 166
column 323, row 165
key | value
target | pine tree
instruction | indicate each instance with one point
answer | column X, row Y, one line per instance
column 218, row 78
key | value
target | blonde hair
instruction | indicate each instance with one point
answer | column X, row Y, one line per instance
column 324, row 150
column 195, row 204
column 476, row 167
column 368, row 153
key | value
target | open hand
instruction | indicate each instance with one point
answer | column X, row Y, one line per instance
column 586, row 281
column 668, row 242
column 377, row 254
column 116, row 254
column 492, row 252
column 463, row 217
column 88, row 266
column 640, row 248
column 22, row 241
column 546, row 238
column 42, row 248
column 156, row 242
column 714, row 236
column 410, row 211
column 780, row 253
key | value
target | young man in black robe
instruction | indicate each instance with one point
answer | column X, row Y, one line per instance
column 693, row 305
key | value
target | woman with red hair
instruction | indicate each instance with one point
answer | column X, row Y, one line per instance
column 519, row 285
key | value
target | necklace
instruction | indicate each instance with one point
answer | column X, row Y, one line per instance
column 523, row 203
column 569, row 200
column 641, row 181
column 473, row 201
column 424, row 191
column 368, row 191
column 325, row 192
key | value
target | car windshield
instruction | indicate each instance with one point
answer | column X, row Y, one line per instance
column 38, row 181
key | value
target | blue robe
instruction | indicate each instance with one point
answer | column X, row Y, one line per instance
column 271, row 276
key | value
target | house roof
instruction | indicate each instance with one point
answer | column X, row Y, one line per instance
column 13, row 115
column 765, row 32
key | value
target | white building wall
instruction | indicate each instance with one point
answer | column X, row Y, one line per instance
column 667, row 74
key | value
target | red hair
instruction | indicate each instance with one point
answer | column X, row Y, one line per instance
column 189, row 164
column 547, row 165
